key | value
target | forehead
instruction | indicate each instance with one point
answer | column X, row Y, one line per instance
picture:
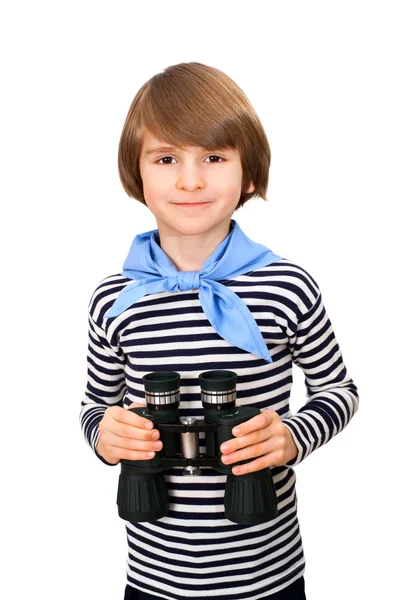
column 152, row 144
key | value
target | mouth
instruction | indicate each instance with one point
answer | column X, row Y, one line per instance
column 191, row 204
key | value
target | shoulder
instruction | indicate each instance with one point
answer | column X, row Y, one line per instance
column 291, row 281
column 104, row 295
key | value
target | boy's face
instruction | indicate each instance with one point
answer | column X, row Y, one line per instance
column 174, row 176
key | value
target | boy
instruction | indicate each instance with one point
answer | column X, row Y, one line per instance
column 194, row 295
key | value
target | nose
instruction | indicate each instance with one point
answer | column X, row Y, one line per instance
column 190, row 177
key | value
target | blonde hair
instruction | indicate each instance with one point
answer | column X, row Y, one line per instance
column 191, row 104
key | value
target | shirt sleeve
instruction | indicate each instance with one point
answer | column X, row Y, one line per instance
column 332, row 397
column 105, row 386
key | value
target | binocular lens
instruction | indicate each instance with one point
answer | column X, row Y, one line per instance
column 166, row 381
column 161, row 389
column 218, row 388
column 218, row 381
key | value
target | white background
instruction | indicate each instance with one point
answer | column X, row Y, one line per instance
column 323, row 77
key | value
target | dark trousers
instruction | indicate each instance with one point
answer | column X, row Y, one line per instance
column 296, row 591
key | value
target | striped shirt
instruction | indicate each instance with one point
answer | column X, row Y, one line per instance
column 194, row 551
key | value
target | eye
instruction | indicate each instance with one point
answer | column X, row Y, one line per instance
column 211, row 156
column 157, row 161
column 215, row 156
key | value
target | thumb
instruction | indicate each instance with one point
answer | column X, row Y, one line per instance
column 136, row 405
column 269, row 415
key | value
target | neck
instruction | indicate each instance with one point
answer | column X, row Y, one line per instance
column 188, row 252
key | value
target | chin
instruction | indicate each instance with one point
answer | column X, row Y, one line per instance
column 200, row 222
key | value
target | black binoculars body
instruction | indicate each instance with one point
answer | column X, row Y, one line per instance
column 142, row 490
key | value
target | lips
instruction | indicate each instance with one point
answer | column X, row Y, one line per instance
column 191, row 203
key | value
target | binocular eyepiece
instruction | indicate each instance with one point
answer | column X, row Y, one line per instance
column 142, row 490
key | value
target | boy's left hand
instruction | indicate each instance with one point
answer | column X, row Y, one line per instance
column 264, row 436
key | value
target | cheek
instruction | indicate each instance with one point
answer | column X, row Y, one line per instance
column 152, row 189
column 229, row 192
column 155, row 181
column 228, row 184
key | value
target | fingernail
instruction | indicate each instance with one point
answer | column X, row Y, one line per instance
column 236, row 431
column 149, row 425
column 224, row 447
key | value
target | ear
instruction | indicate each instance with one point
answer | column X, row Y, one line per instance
column 251, row 188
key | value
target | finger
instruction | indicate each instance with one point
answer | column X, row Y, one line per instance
column 136, row 405
column 252, row 451
column 257, row 437
column 260, row 421
column 132, row 418
column 268, row 460
column 115, row 452
column 125, row 430
column 126, row 443
column 130, row 425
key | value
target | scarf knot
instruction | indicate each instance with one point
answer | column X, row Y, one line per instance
column 188, row 280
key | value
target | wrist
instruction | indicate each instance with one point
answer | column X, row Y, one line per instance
column 292, row 451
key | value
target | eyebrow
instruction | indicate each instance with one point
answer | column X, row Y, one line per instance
column 160, row 149
column 172, row 149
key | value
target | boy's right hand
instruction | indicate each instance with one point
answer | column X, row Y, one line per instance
column 123, row 434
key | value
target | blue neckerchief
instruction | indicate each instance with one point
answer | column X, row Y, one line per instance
column 237, row 254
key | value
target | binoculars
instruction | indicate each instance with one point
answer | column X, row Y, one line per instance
column 142, row 491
